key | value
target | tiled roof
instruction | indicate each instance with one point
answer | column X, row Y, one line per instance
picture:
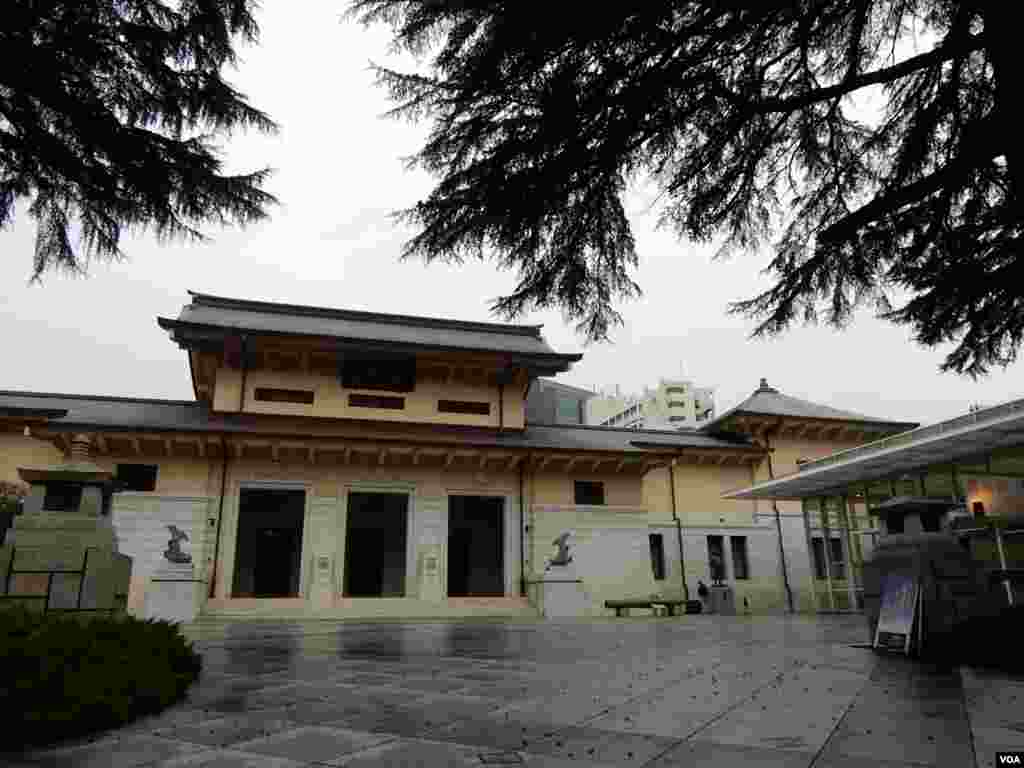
column 132, row 414
column 768, row 401
column 217, row 313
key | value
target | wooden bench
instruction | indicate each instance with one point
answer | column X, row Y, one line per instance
column 691, row 606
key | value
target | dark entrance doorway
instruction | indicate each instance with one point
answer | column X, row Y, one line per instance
column 268, row 552
column 476, row 551
column 375, row 539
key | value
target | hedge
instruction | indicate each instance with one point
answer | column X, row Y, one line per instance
column 66, row 676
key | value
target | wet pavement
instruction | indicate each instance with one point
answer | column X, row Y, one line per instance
column 695, row 691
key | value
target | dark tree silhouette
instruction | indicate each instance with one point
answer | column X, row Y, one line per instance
column 741, row 112
column 108, row 114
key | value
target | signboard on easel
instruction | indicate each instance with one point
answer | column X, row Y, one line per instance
column 900, row 601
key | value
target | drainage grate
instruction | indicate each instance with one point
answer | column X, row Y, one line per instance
column 501, row 758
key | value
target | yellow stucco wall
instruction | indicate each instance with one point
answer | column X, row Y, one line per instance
column 699, row 489
column 554, row 487
column 331, row 399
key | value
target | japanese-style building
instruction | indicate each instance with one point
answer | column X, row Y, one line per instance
column 351, row 464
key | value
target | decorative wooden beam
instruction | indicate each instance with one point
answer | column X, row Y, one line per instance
column 572, row 463
column 722, row 458
column 416, row 455
column 483, row 460
column 136, row 446
column 382, row 454
column 513, row 462
column 275, row 454
column 620, row 465
column 543, row 462
column 101, row 443
column 597, row 463
column 449, row 458
column 313, row 450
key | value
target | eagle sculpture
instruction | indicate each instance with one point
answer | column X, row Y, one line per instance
column 563, row 557
column 173, row 552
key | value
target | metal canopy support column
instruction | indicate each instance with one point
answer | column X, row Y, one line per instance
column 997, row 530
column 827, row 536
column 851, row 555
column 810, row 552
column 867, row 510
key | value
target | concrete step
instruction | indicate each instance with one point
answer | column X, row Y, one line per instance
column 281, row 609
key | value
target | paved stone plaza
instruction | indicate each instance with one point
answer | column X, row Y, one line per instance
column 700, row 692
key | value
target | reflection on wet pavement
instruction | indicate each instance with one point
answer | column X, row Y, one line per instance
column 691, row 691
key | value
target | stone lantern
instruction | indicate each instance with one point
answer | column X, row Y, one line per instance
column 61, row 553
column 941, row 584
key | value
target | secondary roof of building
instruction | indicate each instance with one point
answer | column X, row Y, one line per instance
column 215, row 316
column 766, row 401
column 97, row 413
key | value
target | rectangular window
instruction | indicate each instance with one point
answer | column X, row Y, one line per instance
column 837, row 561
column 588, row 492
column 657, row 556
column 818, row 552
column 394, row 374
column 463, row 406
column 376, row 401
column 62, row 497
column 740, row 563
column 135, row 477
column 270, row 395
column 567, row 411
column 716, row 558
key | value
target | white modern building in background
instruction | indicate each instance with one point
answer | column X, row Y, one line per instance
column 673, row 404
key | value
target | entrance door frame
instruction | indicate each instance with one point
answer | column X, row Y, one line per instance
column 231, row 558
column 508, row 524
column 398, row 487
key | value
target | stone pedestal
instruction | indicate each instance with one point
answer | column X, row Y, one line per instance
column 174, row 593
column 561, row 593
column 722, row 600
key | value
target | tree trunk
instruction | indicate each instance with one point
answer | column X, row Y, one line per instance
column 1003, row 46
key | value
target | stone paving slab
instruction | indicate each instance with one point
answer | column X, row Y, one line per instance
column 710, row 754
column 119, row 751
column 995, row 710
column 594, row 744
column 323, row 745
column 907, row 713
column 229, row 758
column 691, row 691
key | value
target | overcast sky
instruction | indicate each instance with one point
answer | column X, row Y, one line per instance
column 331, row 243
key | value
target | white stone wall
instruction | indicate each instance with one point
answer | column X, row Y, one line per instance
column 764, row 589
column 140, row 523
column 609, row 546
